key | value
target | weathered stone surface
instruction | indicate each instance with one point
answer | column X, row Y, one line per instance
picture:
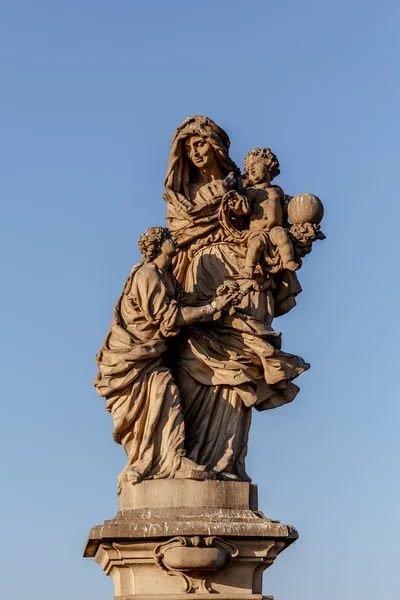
column 219, row 543
column 221, row 508
column 136, row 574
column 152, row 523
column 188, row 494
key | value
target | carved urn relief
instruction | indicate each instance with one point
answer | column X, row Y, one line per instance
column 194, row 559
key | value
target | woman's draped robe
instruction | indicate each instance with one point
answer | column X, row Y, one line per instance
column 226, row 367
column 141, row 393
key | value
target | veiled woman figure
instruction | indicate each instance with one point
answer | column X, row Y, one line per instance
column 229, row 366
column 141, row 393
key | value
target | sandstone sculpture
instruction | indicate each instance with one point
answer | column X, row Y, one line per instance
column 140, row 390
column 190, row 352
column 267, row 236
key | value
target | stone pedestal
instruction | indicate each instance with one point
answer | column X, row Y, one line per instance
column 176, row 537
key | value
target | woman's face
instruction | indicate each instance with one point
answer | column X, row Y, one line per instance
column 199, row 151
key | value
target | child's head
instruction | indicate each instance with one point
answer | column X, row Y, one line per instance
column 261, row 166
column 155, row 241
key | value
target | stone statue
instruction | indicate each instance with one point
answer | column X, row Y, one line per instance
column 191, row 348
column 141, row 393
column 266, row 218
column 190, row 353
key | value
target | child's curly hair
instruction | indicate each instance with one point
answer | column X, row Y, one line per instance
column 150, row 242
column 269, row 157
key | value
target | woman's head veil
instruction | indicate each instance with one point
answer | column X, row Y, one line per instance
column 179, row 167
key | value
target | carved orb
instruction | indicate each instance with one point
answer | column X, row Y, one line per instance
column 305, row 208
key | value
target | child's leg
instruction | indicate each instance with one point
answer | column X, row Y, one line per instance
column 254, row 249
column 280, row 238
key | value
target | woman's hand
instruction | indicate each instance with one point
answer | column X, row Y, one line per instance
column 221, row 302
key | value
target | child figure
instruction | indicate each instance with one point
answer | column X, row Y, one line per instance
column 261, row 166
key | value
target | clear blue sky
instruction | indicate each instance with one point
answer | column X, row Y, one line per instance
column 91, row 92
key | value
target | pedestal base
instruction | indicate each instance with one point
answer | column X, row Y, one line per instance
column 172, row 537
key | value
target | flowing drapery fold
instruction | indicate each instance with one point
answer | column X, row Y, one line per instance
column 141, row 393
